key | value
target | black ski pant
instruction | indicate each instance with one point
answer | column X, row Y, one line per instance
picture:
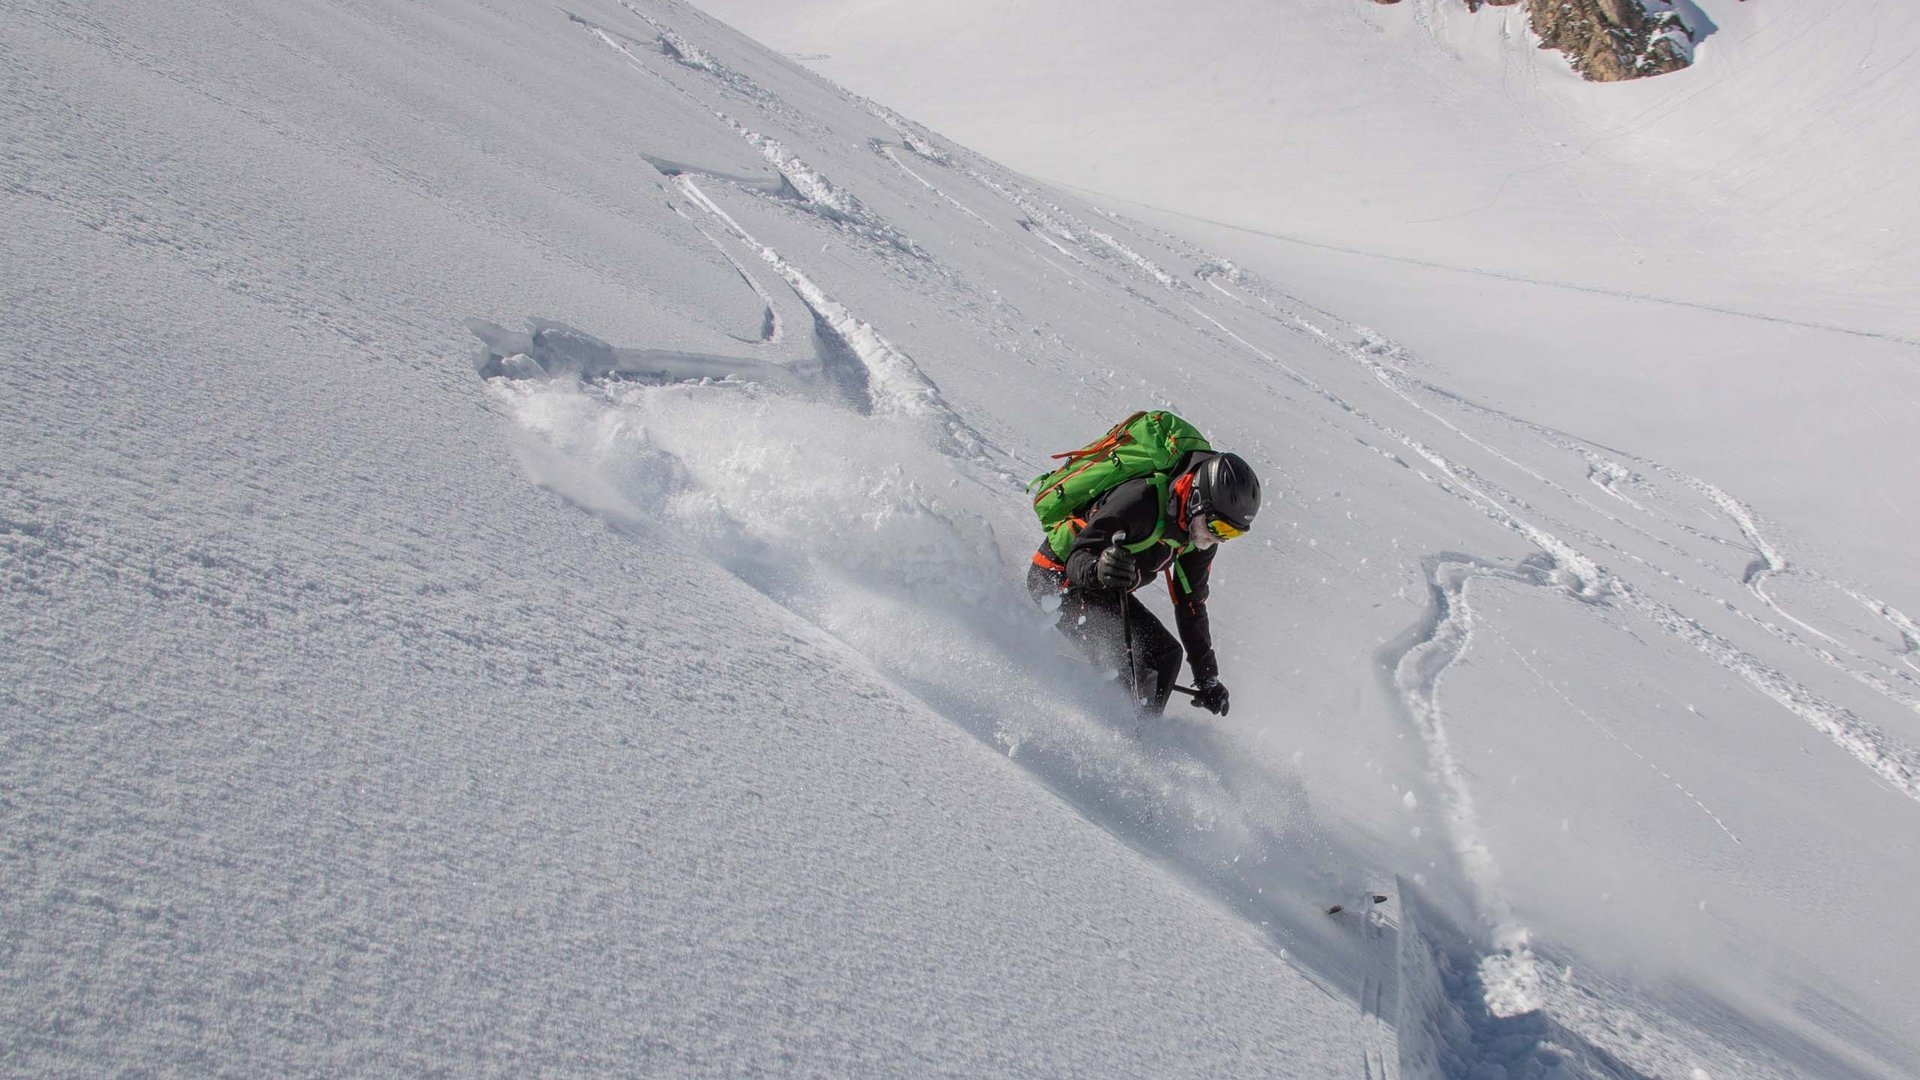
column 1091, row 619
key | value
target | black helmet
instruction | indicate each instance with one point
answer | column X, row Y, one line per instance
column 1225, row 488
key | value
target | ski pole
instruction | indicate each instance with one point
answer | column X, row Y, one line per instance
column 1126, row 631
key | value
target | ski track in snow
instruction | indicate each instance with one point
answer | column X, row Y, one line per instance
column 898, row 387
column 1892, row 760
column 772, row 331
column 896, row 383
column 1610, row 475
column 809, row 188
column 1415, row 666
column 1178, row 816
column 888, row 151
column 916, row 140
column 1767, row 562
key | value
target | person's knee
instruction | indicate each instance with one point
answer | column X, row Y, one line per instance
column 1044, row 586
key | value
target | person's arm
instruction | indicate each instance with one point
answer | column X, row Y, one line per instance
column 1130, row 508
column 1190, row 613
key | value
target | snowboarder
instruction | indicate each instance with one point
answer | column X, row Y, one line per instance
column 1174, row 519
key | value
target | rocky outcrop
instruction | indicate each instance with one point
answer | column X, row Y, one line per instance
column 1610, row 40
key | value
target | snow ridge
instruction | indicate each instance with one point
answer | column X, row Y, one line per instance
column 915, row 139
column 896, row 383
column 1414, row 666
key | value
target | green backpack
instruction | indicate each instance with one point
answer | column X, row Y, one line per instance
column 1144, row 444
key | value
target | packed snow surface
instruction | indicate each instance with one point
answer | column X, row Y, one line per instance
column 510, row 548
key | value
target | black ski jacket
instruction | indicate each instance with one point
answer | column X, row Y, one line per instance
column 1133, row 507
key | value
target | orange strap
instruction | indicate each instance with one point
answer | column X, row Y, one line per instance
column 1183, row 494
column 1114, row 437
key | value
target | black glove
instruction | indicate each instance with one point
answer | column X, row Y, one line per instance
column 1211, row 696
column 1115, row 570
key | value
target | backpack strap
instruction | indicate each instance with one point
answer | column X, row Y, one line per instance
column 1114, row 437
column 1160, row 522
column 1174, row 570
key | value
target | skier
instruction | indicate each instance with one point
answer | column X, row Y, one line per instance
column 1208, row 497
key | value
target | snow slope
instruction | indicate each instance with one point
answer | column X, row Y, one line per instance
column 335, row 746
column 1421, row 130
column 512, row 532
column 1737, row 235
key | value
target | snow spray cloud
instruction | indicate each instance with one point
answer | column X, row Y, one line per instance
column 876, row 528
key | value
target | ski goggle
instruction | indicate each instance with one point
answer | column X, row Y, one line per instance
column 1221, row 529
column 1214, row 529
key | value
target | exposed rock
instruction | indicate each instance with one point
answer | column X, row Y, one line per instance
column 1610, row 40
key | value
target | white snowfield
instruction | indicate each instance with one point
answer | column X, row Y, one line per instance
column 511, row 537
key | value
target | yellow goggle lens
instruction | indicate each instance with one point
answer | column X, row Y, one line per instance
column 1223, row 530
